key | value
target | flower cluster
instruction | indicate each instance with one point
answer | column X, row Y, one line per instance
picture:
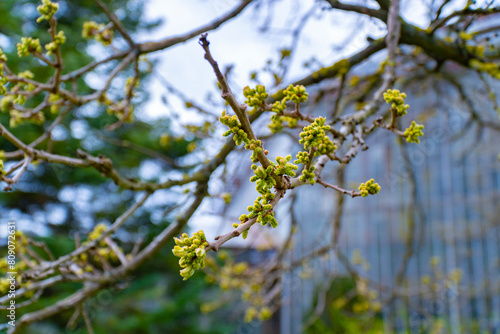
column 279, row 106
column 59, row 40
column 308, row 175
column 253, row 313
column 97, row 31
column 97, row 232
column 55, row 101
column 315, row 140
column 6, row 282
column 229, row 274
column 277, row 122
column 296, row 94
column 28, row 46
column 413, row 132
column 192, row 252
column 123, row 110
column 20, row 266
column 314, row 136
column 369, row 188
column 3, row 82
column 255, row 97
column 397, row 99
column 283, row 167
column 492, row 69
column 7, row 103
column 265, row 181
column 260, row 209
column 47, row 9
column 263, row 178
column 3, row 79
column 3, row 57
column 103, row 251
column 16, row 118
column 240, row 136
column 100, row 255
column 303, row 158
column 256, row 147
column 21, row 99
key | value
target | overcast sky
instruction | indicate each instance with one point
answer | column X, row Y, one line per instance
column 239, row 42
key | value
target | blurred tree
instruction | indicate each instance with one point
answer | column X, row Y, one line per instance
column 73, row 141
column 42, row 194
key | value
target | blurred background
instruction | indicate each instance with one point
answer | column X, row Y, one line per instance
column 421, row 257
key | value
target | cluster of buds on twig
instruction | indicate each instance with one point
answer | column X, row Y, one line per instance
column 369, row 188
column 399, row 109
column 308, row 175
column 491, row 68
column 99, row 32
column 256, row 97
column 47, row 9
column 102, row 253
column 262, row 210
column 314, row 136
column 59, row 40
column 192, row 252
column 231, row 275
column 3, row 78
column 397, row 99
column 413, row 132
column 263, row 178
column 256, row 147
column 296, row 94
column 7, row 265
column 28, row 46
column 240, row 136
column 283, row 167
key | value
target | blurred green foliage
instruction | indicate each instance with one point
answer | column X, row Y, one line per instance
column 153, row 300
column 339, row 315
column 83, row 127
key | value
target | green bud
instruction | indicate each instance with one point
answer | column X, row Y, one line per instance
column 187, row 272
column 413, row 132
column 200, row 252
column 28, row 46
column 47, row 9
column 369, row 188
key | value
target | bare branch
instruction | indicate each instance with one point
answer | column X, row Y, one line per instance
column 116, row 22
column 376, row 13
column 168, row 42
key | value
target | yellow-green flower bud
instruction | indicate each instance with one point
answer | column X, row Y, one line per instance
column 397, row 99
column 200, row 252
column 413, row 132
column 47, row 9
column 28, row 46
column 187, row 272
column 59, row 40
column 369, row 188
